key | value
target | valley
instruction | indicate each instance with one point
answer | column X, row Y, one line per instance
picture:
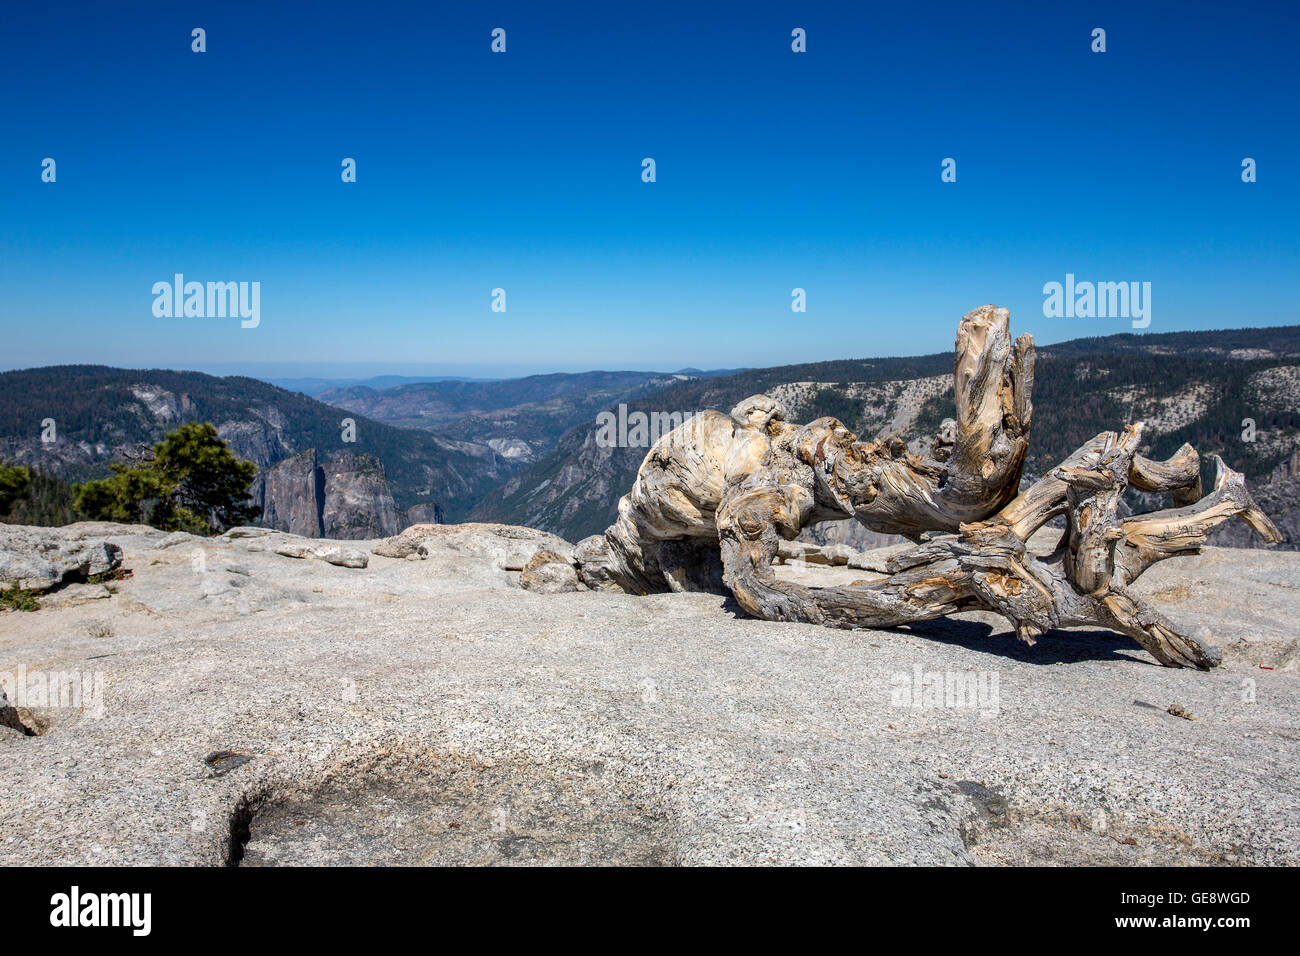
column 529, row 451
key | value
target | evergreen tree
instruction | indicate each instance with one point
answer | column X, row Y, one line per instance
column 14, row 481
column 46, row 502
column 192, row 482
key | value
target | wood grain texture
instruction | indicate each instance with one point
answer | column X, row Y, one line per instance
column 714, row 498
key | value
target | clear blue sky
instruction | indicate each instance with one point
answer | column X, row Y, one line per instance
column 523, row 171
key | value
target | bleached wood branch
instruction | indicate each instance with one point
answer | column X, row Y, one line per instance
column 714, row 498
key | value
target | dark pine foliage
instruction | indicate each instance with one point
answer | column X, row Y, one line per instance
column 46, row 501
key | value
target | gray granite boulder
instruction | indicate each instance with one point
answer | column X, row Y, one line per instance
column 509, row 547
column 549, row 573
column 40, row 558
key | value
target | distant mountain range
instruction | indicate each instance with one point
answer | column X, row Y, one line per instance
column 1188, row 386
column 312, row 480
column 100, row 415
column 314, row 386
column 520, row 418
column 524, row 450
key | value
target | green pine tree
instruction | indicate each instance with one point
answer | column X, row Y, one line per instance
column 14, row 481
column 192, row 482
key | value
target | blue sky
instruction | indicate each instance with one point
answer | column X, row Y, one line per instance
column 522, row 171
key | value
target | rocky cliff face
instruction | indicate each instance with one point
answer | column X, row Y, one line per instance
column 261, row 440
column 423, row 514
column 577, row 487
column 291, row 494
column 357, row 501
column 345, row 497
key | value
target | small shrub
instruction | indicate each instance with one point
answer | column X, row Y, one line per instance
column 114, row 574
column 17, row 599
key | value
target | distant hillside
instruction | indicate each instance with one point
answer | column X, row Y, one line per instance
column 1188, row 386
column 314, row 386
column 523, row 451
column 521, row 418
column 1280, row 341
column 101, row 414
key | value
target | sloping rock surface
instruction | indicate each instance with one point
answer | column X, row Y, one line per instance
column 508, row 546
column 426, row 709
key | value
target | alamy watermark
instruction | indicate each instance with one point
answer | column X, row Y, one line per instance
column 71, row 690
column 1099, row 300
column 968, row 690
column 130, row 910
column 213, row 300
column 636, row 429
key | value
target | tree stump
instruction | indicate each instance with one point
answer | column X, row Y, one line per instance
column 713, row 498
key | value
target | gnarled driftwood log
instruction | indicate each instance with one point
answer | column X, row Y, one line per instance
column 715, row 496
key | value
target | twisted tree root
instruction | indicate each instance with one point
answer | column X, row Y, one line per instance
column 715, row 496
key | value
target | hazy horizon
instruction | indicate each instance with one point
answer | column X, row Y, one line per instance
column 364, row 371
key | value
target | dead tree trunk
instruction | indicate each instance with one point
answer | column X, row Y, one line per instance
column 714, row 497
